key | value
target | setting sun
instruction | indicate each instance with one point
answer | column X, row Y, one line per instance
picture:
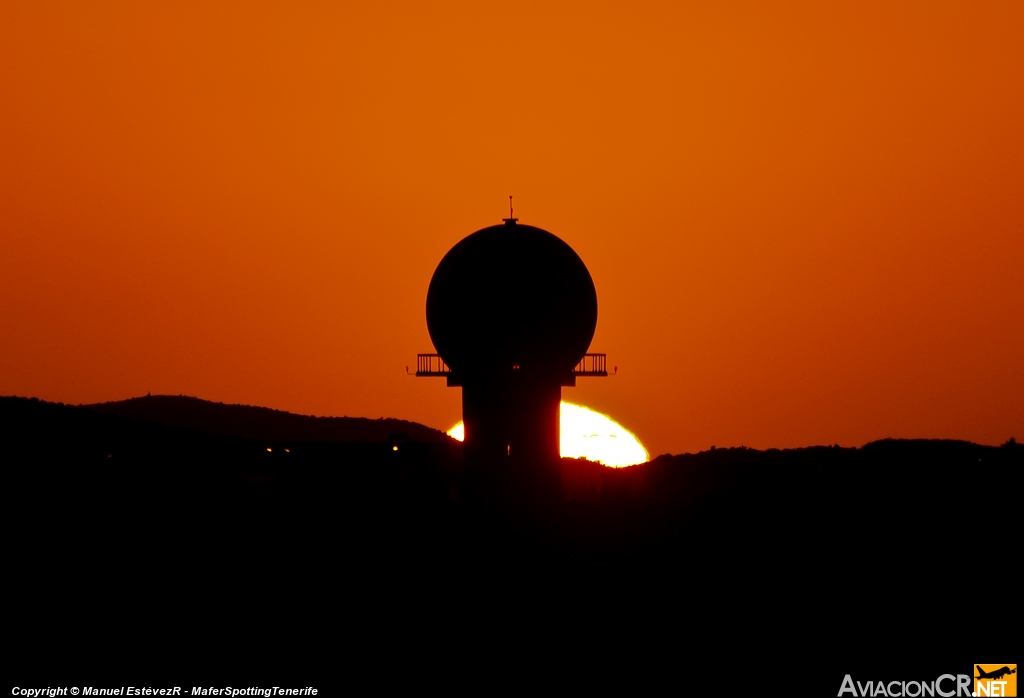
column 592, row 435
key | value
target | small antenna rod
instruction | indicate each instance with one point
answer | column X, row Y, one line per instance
column 511, row 220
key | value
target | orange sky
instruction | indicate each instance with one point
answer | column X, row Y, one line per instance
column 805, row 221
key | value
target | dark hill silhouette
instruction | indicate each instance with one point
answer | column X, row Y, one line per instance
column 118, row 522
column 262, row 423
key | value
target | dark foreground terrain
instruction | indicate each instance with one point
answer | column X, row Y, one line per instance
column 173, row 534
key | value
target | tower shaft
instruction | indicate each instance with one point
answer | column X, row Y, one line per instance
column 516, row 419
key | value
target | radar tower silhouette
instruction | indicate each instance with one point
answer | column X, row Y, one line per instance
column 511, row 311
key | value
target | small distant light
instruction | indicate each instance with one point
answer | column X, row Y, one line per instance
column 394, row 448
column 269, row 449
column 287, row 450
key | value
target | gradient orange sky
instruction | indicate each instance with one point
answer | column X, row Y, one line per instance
column 805, row 221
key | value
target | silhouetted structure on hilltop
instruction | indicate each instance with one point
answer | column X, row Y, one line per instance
column 511, row 310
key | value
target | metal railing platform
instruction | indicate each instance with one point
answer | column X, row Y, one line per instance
column 592, row 365
column 431, row 365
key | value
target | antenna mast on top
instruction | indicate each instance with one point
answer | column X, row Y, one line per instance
column 510, row 220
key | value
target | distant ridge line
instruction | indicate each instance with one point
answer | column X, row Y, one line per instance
column 262, row 423
column 256, row 423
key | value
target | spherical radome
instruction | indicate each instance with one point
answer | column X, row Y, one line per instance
column 511, row 295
